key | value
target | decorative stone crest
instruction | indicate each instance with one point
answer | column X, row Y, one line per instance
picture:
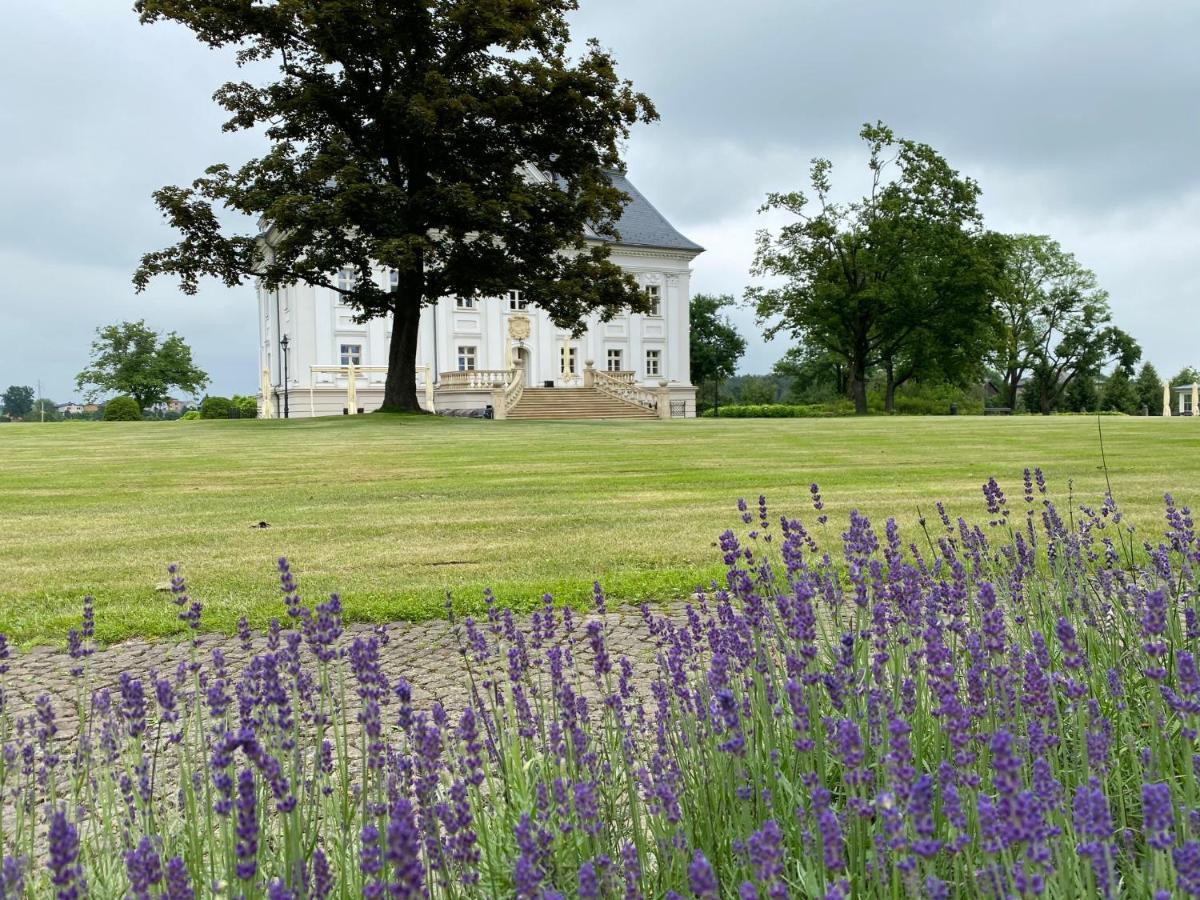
column 518, row 328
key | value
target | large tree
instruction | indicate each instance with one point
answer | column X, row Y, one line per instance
column 131, row 358
column 897, row 279
column 18, row 401
column 1149, row 389
column 452, row 142
column 1055, row 321
column 716, row 345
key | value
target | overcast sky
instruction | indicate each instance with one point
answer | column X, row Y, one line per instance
column 1079, row 120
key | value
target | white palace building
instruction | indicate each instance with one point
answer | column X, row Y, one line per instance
column 496, row 356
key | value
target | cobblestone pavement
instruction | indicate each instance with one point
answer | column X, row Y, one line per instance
column 425, row 653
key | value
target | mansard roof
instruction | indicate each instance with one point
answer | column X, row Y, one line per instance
column 641, row 225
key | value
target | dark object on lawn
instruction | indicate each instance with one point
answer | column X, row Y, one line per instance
column 954, row 409
column 262, row 525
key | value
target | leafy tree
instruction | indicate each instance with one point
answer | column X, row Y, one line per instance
column 247, row 407
column 215, row 408
column 44, row 410
column 133, row 359
column 897, row 279
column 18, row 401
column 1186, row 375
column 1055, row 321
column 1119, row 394
column 122, row 409
column 716, row 345
column 760, row 389
column 452, row 142
column 1148, row 390
column 814, row 375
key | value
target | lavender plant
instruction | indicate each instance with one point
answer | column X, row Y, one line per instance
column 1004, row 709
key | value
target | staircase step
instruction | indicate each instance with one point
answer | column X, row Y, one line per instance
column 575, row 403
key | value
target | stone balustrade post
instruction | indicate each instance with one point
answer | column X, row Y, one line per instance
column 589, row 374
column 498, row 410
column 664, row 399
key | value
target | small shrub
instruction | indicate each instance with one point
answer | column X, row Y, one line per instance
column 190, row 416
column 122, row 409
column 215, row 408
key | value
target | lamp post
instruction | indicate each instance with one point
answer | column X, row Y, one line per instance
column 284, row 344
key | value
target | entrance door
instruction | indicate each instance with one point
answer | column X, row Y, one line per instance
column 522, row 354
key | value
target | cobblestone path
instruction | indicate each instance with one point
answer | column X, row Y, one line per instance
column 425, row 653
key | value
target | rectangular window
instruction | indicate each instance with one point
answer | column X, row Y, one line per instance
column 516, row 300
column 655, row 298
column 393, row 279
column 347, row 279
column 351, row 354
column 615, row 360
column 466, row 359
column 653, row 360
column 464, row 302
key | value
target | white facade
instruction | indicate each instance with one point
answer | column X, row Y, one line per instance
column 457, row 335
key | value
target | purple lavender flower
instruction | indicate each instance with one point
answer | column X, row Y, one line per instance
column 179, row 886
column 144, row 868
column 403, row 852
column 322, row 876
column 12, row 877
column 1187, row 868
column 1158, row 814
column 701, row 879
column 247, row 827
column 66, row 872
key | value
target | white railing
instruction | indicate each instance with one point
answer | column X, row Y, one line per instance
column 624, row 390
column 515, row 388
column 628, row 376
column 476, row 379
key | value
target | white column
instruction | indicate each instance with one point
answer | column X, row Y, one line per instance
column 492, row 330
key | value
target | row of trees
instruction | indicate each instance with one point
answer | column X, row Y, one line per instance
column 907, row 284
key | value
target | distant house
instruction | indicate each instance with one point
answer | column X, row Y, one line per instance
column 70, row 409
column 171, row 405
column 1187, row 399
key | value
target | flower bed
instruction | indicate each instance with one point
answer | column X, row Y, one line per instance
column 1000, row 709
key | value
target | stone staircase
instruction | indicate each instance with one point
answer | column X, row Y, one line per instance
column 575, row 403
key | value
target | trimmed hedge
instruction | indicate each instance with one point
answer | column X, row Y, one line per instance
column 778, row 411
column 122, row 409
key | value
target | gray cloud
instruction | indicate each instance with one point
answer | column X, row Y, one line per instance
column 1078, row 120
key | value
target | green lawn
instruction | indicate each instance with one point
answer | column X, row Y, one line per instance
column 395, row 512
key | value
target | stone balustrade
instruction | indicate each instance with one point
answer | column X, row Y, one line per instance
column 476, row 379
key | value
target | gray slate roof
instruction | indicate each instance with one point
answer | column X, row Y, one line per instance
column 641, row 225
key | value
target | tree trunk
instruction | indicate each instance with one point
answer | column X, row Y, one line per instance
column 858, row 388
column 889, row 394
column 716, row 398
column 1012, row 385
column 400, row 390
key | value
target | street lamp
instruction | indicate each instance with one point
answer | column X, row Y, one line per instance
column 284, row 344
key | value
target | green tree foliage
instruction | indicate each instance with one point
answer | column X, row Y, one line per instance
column 1186, row 375
column 814, row 375
column 1119, row 394
column 131, row 358
column 453, row 142
column 1148, row 389
column 18, row 401
column 716, row 345
column 898, row 279
column 44, row 410
column 122, row 409
column 1054, row 322
column 247, row 407
column 215, row 408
